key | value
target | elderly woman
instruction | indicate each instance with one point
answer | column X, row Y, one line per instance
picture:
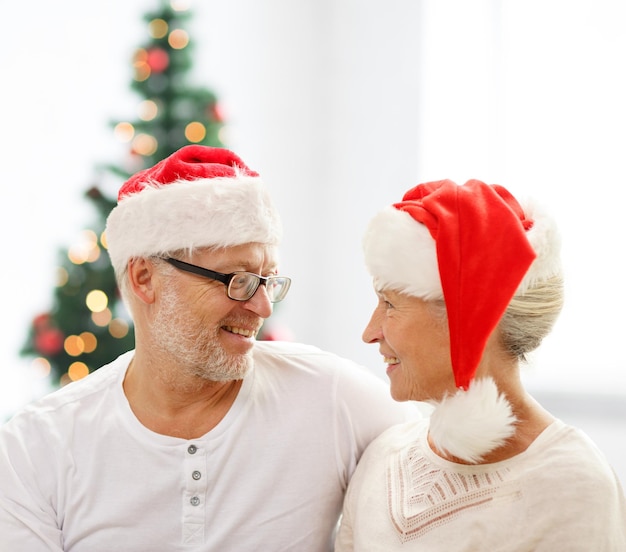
column 468, row 283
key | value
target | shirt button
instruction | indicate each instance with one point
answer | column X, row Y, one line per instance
column 194, row 500
column 196, row 475
column 192, row 449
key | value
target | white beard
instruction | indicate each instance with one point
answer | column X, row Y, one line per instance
column 195, row 346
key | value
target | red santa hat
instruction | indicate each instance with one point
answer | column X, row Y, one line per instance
column 475, row 247
column 197, row 197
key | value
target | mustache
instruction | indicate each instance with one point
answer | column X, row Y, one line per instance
column 246, row 322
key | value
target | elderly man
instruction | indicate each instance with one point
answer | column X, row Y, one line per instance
column 200, row 438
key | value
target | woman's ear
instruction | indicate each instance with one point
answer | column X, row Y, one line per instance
column 141, row 279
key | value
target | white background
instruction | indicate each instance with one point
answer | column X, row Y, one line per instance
column 341, row 105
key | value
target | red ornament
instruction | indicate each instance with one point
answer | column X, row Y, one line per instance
column 216, row 113
column 158, row 60
column 42, row 321
column 49, row 341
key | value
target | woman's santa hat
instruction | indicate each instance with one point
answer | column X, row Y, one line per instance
column 475, row 247
column 198, row 197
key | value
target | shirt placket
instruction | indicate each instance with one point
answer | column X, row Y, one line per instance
column 194, row 495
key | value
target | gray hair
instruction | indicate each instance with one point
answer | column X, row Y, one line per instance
column 531, row 316
column 123, row 283
column 528, row 319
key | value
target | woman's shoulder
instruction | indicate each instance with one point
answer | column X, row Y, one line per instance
column 567, row 456
column 400, row 436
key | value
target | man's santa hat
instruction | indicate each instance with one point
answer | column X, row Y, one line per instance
column 475, row 247
column 197, row 197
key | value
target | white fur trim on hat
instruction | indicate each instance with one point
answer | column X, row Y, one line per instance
column 470, row 424
column 545, row 239
column 400, row 254
column 211, row 212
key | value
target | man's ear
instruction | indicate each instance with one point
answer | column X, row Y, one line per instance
column 141, row 278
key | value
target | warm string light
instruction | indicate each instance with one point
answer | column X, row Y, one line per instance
column 140, row 65
column 144, row 144
column 195, row 132
column 118, row 327
column 158, row 28
column 50, row 340
column 152, row 62
column 77, row 370
column 96, row 300
column 86, row 249
column 148, row 110
column 180, row 5
column 124, row 132
column 76, row 345
column 178, row 39
column 41, row 366
column 102, row 318
column 147, row 62
column 63, row 276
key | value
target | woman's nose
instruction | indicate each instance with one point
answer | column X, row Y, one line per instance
column 372, row 332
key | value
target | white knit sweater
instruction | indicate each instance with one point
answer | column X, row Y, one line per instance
column 558, row 495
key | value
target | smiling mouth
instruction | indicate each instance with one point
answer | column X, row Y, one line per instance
column 391, row 360
column 240, row 331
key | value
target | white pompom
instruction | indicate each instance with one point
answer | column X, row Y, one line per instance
column 472, row 423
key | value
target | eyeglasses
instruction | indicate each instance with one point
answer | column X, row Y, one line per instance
column 240, row 286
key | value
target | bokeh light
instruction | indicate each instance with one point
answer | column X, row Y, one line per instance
column 195, row 132
column 178, row 39
column 77, row 370
column 180, row 5
column 118, row 328
column 148, row 110
column 140, row 65
column 223, row 135
column 96, row 300
column 124, row 131
column 102, row 318
column 62, row 276
column 74, row 345
column 158, row 60
column 145, row 144
column 86, row 249
column 41, row 366
column 157, row 28
column 90, row 342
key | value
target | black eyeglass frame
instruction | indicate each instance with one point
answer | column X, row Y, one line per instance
column 226, row 279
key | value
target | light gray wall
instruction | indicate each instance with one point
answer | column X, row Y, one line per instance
column 326, row 108
column 342, row 105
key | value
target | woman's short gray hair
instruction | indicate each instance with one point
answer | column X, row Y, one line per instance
column 531, row 316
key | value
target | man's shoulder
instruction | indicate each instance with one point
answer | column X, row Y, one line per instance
column 308, row 367
column 287, row 348
column 79, row 392
column 308, row 358
column 292, row 351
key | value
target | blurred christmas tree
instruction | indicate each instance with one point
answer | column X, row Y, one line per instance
column 87, row 325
